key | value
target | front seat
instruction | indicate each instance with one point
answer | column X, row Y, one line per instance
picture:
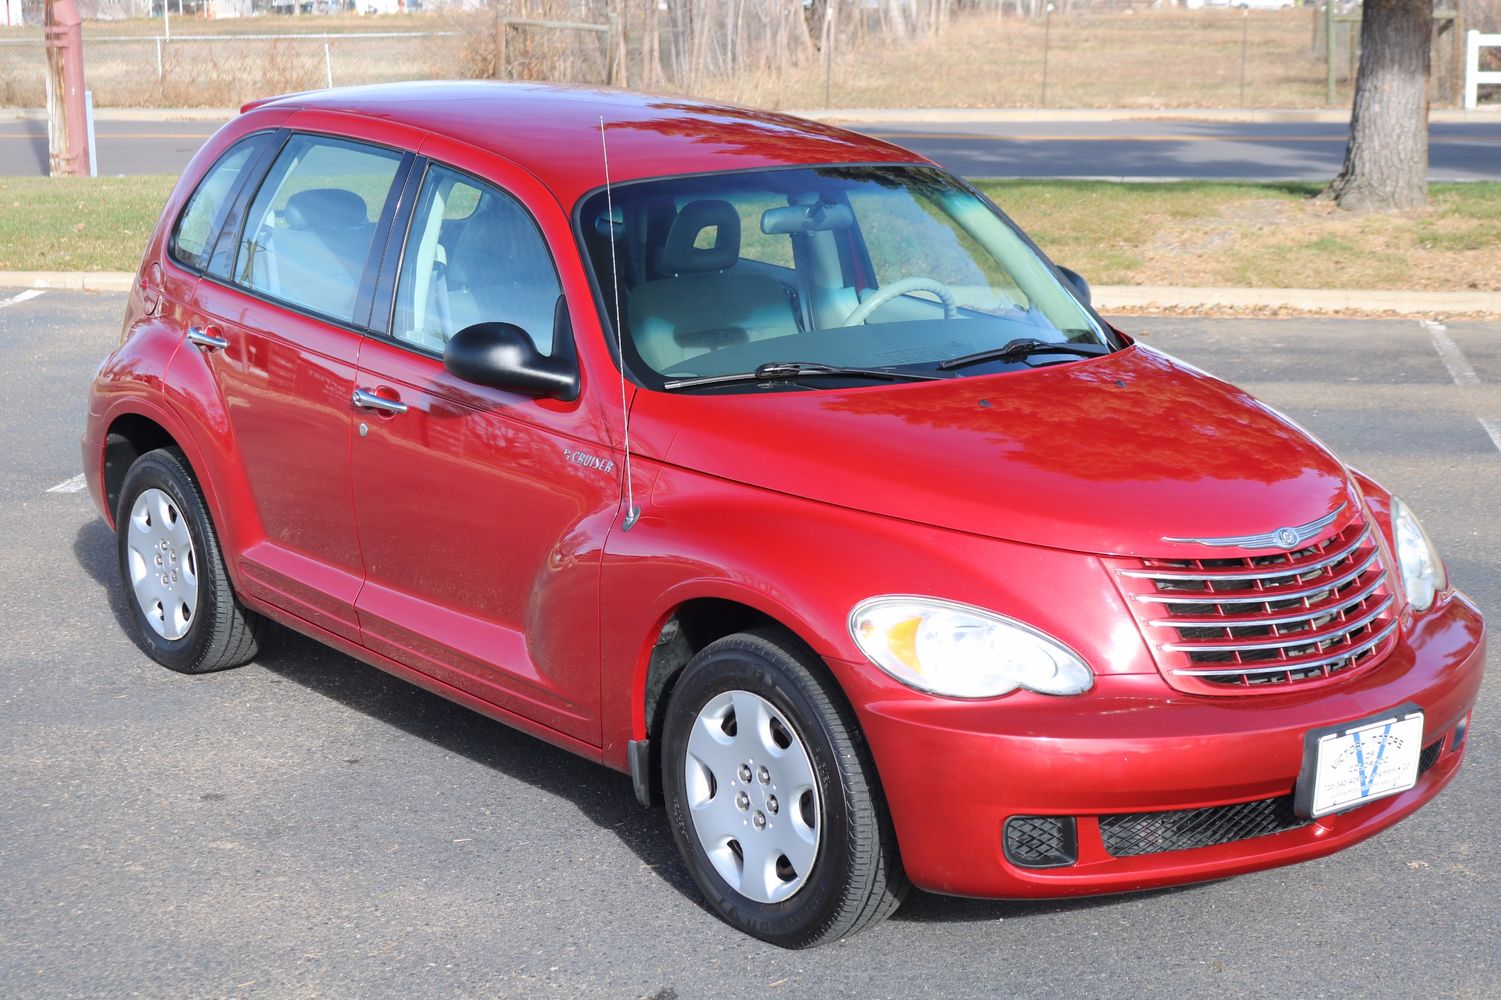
column 703, row 304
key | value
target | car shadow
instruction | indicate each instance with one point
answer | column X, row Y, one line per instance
column 604, row 797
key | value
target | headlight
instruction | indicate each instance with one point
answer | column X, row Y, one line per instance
column 963, row 652
column 1422, row 570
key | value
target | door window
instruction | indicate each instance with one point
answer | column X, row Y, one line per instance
column 473, row 255
column 200, row 220
column 309, row 231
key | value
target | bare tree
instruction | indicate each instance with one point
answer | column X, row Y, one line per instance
column 1386, row 162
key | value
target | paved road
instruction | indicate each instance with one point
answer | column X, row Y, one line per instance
column 307, row 826
column 1147, row 150
column 1123, row 149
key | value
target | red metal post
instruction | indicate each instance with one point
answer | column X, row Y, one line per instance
column 67, row 143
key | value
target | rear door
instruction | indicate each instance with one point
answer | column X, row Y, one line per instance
column 482, row 513
column 280, row 314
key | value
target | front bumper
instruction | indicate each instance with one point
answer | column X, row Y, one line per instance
column 953, row 772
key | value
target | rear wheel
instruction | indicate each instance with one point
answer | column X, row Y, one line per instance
column 185, row 612
column 772, row 795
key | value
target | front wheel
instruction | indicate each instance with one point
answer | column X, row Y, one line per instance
column 185, row 612
column 772, row 795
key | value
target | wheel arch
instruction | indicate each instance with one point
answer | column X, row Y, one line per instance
column 129, row 436
column 691, row 622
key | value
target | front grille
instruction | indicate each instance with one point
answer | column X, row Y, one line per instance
column 1129, row 834
column 1245, row 624
column 1041, row 841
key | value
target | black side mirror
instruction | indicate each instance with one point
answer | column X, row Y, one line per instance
column 502, row 356
column 1077, row 280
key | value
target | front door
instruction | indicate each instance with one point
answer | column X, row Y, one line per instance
column 480, row 527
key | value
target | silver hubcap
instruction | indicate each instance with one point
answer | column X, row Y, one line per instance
column 752, row 796
column 163, row 565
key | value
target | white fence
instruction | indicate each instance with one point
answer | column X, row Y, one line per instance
column 1474, row 77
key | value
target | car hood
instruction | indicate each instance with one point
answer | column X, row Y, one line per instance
column 1111, row 455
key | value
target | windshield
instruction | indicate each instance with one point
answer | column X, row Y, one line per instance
column 881, row 268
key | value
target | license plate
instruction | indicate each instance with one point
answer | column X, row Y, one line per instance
column 1351, row 764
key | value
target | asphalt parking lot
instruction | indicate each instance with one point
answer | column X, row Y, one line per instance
column 308, row 827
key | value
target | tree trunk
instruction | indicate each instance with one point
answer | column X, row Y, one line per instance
column 1386, row 162
column 651, row 48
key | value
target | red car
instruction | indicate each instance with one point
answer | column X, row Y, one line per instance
column 774, row 466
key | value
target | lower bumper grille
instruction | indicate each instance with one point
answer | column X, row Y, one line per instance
column 1131, row 834
column 1429, row 756
column 1041, row 841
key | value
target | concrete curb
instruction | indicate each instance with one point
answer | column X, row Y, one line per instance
column 1303, row 300
column 73, row 281
column 1109, row 298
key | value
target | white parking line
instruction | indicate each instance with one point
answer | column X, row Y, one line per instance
column 20, row 297
column 1493, row 428
column 74, row 485
column 1453, row 358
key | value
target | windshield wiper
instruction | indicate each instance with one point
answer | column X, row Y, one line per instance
column 790, row 371
column 1023, row 347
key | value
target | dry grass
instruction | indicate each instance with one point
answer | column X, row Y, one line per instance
column 1139, row 59
column 1258, row 235
column 1207, row 234
column 1136, row 59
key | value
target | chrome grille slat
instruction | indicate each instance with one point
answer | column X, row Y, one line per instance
column 1214, row 577
column 1298, row 639
column 1242, row 624
column 1258, row 597
column 1291, row 666
column 1339, row 606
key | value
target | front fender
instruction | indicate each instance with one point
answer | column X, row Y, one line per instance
column 807, row 564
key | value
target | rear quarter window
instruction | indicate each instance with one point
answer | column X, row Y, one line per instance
column 193, row 238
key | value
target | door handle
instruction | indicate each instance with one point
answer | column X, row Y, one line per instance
column 205, row 339
column 367, row 400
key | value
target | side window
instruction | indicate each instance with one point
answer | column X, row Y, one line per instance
column 308, row 232
column 473, row 255
column 200, row 220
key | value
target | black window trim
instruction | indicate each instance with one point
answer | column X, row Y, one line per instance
column 259, row 162
column 364, row 298
column 564, row 343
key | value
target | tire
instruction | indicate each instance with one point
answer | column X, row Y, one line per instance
column 185, row 613
column 781, row 884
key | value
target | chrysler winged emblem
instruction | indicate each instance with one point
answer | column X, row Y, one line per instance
column 1281, row 538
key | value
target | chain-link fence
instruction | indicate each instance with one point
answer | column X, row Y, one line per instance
column 228, row 70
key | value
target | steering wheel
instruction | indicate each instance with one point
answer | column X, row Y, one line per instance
column 886, row 293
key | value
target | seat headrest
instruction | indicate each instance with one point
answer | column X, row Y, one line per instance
column 325, row 208
column 680, row 256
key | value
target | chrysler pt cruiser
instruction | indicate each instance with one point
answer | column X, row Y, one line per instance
column 774, row 466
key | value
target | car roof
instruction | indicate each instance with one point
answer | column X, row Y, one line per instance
column 553, row 131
